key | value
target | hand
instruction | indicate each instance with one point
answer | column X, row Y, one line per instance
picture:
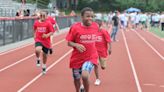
column 80, row 48
column 44, row 36
column 109, row 51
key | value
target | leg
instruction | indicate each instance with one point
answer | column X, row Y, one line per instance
column 86, row 69
column 44, row 58
column 162, row 25
column 77, row 75
column 85, row 78
column 52, row 41
column 115, row 33
column 96, row 70
column 103, row 62
column 77, row 84
column 112, row 34
column 38, row 49
column 45, row 55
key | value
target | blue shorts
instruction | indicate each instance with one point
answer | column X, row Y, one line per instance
column 87, row 66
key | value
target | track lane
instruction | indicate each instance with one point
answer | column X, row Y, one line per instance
column 118, row 77
column 30, row 56
column 162, row 39
column 149, row 65
column 21, row 73
column 21, row 54
column 155, row 42
column 57, row 79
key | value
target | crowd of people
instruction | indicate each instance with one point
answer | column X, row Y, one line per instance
column 22, row 13
column 139, row 20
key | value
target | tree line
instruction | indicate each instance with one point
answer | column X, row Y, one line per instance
column 110, row 5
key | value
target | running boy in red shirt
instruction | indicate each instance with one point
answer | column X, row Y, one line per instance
column 42, row 31
column 103, row 45
column 56, row 28
column 82, row 37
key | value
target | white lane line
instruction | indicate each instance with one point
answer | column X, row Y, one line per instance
column 149, row 84
column 161, row 86
column 131, row 63
column 11, row 50
column 150, row 45
column 39, row 75
column 26, row 58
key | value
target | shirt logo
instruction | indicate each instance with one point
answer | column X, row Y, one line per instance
column 91, row 38
column 41, row 29
column 99, row 39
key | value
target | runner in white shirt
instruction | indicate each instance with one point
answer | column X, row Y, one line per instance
column 137, row 20
column 124, row 21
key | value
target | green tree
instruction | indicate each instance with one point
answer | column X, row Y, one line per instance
column 42, row 3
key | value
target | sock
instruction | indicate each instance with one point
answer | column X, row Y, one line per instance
column 38, row 58
column 44, row 66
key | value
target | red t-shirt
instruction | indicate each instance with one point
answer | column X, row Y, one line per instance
column 87, row 37
column 51, row 19
column 40, row 29
column 103, row 39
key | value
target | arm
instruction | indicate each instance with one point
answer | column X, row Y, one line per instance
column 109, row 48
column 49, row 29
column 34, row 35
column 78, row 46
column 57, row 27
column 47, row 35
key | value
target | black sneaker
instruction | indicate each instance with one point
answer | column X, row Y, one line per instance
column 38, row 63
column 51, row 51
column 82, row 90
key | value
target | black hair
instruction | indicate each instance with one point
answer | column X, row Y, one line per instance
column 85, row 9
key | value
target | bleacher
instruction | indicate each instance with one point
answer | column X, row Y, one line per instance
column 8, row 8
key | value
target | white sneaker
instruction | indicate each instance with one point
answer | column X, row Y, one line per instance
column 81, row 88
column 97, row 82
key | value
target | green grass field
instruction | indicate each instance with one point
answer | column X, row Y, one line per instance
column 157, row 31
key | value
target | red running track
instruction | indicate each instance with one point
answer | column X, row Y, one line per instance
column 136, row 65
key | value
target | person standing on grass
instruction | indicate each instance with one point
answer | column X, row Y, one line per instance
column 42, row 31
column 103, row 45
column 82, row 37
